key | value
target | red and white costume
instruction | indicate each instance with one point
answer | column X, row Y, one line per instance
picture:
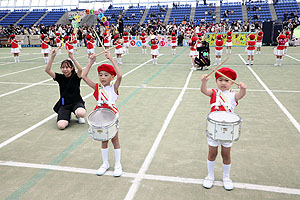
column 219, row 47
column 14, row 46
column 58, row 41
column 69, row 46
column 45, row 47
column 143, row 38
column 126, row 41
column 74, row 41
column 259, row 41
column 106, row 97
column 106, row 41
column 90, row 46
column 154, row 48
column 174, row 41
column 251, row 47
column 229, row 41
column 119, row 49
column 280, row 48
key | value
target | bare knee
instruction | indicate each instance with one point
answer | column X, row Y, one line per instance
column 80, row 112
column 212, row 153
column 115, row 141
column 62, row 124
column 226, row 155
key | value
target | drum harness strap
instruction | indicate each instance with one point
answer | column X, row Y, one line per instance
column 221, row 101
column 104, row 99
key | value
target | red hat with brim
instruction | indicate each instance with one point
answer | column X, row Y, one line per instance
column 219, row 37
column 66, row 37
column 282, row 36
column 260, row 33
column 116, row 37
column 125, row 33
column 228, row 33
column 42, row 36
column 199, row 34
column 107, row 68
column 287, row 32
column 88, row 37
column 57, row 33
column 12, row 36
column 252, row 37
column 227, row 72
column 173, row 33
column 194, row 39
column 142, row 34
column 104, row 34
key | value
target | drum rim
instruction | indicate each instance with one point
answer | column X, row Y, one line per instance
column 224, row 122
column 99, row 127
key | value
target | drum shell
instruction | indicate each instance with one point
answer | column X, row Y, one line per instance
column 103, row 133
column 223, row 131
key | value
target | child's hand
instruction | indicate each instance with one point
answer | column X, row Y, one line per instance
column 93, row 58
column 204, row 78
column 53, row 53
column 242, row 85
column 71, row 55
column 107, row 55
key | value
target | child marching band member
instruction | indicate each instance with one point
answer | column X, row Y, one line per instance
column 126, row 42
column 144, row 44
column 74, row 42
column 68, row 44
column 45, row 47
column 108, row 91
column 106, row 40
column 280, row 49
column 174, row 43
column 259, row 42
column 199, row 41
column 154, row 49
column 119, row 49
column 218, row 49
column 251, row 49
column 89, row 46
column 14, row 47
column 287, row 37
column 69, row 87
column 58, row 42
column 193, row 51
column 222, row 99
column 228, row 42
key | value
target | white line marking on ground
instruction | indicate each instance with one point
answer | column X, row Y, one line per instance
column 19, row 63
column 293, row 58
column 152, row 177
column 136, row 182
column 284, row 110
column 53, row 115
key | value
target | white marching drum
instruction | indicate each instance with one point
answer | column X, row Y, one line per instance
column 104, row 124
column 223, row 126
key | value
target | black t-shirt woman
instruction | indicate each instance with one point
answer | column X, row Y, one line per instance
column 69, row 88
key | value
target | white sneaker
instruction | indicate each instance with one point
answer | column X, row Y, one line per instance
column 276, row 65
column 208, row 182
column 227, row 184
column 118, row 170
column 80, row 120
column 102, row 169
column 215, row 64
column 194, row 68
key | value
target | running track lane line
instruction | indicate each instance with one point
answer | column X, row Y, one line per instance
column 293, row 58
column 53, row 115
column 136, row 182
column 172, row 179
column 284, row 110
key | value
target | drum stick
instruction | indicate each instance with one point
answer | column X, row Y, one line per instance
column 227, row 77
column 98, row 38
column 217, row 67
column 105, row 51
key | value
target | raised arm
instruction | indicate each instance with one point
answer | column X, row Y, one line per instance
column 86, row 71
column 118, row 72
column 48, row 69
column 76, row 63
column 242, row 91
column 204, row 89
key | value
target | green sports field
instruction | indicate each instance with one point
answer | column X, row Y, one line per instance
column 162, row 130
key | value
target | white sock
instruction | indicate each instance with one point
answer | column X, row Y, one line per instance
column 18, row 58
column 277, row 61
column 174, row 51
column 252, row 62
column 153, row 61
column 220, row 60
column 45, row 60
column 117, row 156
column 104, row 153
column 230, row 51
column 142, row 51
column 210, row 168
column 145, row 51
column 120, row 59
column 15, row 57
column 226, row 171
column 226, row 50
column 280, row 61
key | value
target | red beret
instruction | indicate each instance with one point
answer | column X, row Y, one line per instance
column 142, row 34
column 228, row 33
column 287, row 32
column 73, row 33
column 219, row 37
column 42, row 36
column 199, row 34
column 104, row 34
column 125, row 33
column 252, row 37
column 88, row 37
column 57, row 33
column 66, row 38
column 194, row 39
column 226, row 71
column 260, row 33
column 116, row 37
column 173, row 33
column 12, row 36
column 282, row 36
column 108, row 68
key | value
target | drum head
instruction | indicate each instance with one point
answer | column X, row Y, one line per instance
column 222, row 116
column 101, row 117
